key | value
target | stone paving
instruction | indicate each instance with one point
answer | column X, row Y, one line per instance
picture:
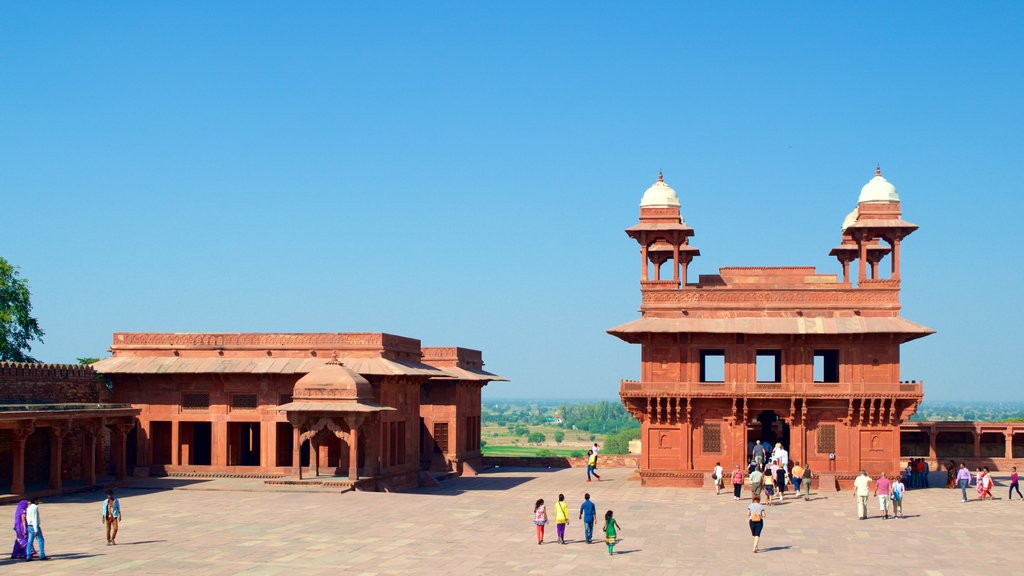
column 483, row 525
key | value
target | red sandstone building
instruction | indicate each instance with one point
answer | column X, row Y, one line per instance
column 777, row 354
column 383, row 411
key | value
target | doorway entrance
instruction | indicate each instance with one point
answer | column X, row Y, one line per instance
column 769, row 429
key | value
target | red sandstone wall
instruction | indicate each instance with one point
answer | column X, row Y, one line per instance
column 48, row 383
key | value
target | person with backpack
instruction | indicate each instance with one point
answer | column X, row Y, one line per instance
column 898, row 487
column 561, row 517
column 756, row 513
column 737, row 483
column 806, row 482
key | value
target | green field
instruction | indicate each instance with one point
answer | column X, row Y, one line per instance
column 525, row 451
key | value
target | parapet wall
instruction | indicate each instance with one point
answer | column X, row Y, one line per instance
column 47, row 383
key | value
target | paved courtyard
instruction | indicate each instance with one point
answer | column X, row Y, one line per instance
column 483, row 525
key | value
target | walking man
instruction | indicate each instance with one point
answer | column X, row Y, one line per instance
column 35, row 531
column 592, row 465
column 759, row 454
column 862, row 491
column 595, row 450
column 756, row 483
column 963, row 480
column 111, row 516
column 806, row 482
column 588, row 512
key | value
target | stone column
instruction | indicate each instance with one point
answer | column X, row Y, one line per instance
column 297, row 450
column 1009, row 443
column 353, row 453
column 932, row 452
column 89, row 456
column 314, row 456
column 21, row 434
column 675, row 264
column 56, row 457
column 895, row 259
column 118, row 445
column 643, row 268
column 175, row 443
column 977, row 443
column 862, row 264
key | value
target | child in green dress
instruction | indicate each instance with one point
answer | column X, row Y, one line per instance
column 610, row 527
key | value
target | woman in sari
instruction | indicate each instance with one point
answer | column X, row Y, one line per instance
column 20, row 530
column 951, row 474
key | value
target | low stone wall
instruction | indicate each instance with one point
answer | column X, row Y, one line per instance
column 603, row 461
column 47, row 383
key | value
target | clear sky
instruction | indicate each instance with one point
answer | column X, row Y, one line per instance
column 462, row 172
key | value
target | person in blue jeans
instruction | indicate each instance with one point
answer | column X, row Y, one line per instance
column 35, row 530
column 587, row 513
column 963, row 479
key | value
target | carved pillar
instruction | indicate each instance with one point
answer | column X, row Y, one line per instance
column 932, row 453
column 175, row 443
column 353, row 452
column 977, row 443
column 21, row 434
column 643, row 256
column 57, row 434
column 1009, row 443
column 895, row 258
column 314, row 456
column 846, row 270
column 297, row 450
column 89, row 455
column 119, row 447
column 675, row 264
column 862, row 263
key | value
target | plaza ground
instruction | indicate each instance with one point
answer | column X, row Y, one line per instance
column 482, row 525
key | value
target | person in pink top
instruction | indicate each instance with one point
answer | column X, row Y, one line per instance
column 737, row 482
column 1015, row 484
column 883, row 489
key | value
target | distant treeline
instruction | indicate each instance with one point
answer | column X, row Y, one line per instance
column 598, row 417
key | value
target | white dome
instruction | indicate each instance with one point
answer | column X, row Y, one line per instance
column 660, row 195
column 850, row 219
column 878, row 189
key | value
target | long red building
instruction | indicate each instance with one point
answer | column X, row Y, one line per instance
column 221, row 403
column 776, row 354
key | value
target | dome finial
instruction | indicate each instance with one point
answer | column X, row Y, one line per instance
column 878, row 169
column 660, row 177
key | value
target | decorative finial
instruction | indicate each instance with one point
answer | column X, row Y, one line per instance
column 878, row 169
column 334, row 359
column 660, row 177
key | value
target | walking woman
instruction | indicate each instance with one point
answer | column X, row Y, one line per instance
column 769, row 487
column 1015, row 484
column 737, row 482
column 951, row 474
column 20, row 530
column 610, row 531
column 717, row 477
column 756, row 513
column 985, row 484
column 780, row 480
column 561, row 517
column 540, row 518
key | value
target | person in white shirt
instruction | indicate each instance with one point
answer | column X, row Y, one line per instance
column 35, row 530
column 862, row 491
column 595, row 449
column 717, row 477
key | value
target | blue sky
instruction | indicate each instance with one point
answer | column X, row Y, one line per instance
column 462, row 172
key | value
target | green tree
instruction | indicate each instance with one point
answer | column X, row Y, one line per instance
column 559, row 436
column 536, row 438
column 17, row 326
column 619, row 443
column 521, row 431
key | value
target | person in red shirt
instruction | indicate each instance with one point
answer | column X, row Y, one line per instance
column 737, row 482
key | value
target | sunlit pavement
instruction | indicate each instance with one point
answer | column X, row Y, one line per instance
column 483, row 525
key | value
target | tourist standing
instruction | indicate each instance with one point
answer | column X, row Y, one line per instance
column 611, row 528
column 35, row 530
column 756, row 482
column 951, row 474
column 592, row 465
column 985, row 484
column 111, row 516
column 883, row 489
column 588, row 512
column 796, row 476
column 898, row 487
column 1015, row 484
column 806, row 482
column 561, row 517
column 780, row 480
column 926, row 470
column 595, row 450
column 756, row 513
column 861, row 491
column 540, row 518
column 20, row 530
column 963, row 480
column 717, row 477
column 737, row 482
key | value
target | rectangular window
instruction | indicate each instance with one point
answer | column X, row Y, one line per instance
column 712, row 439
column 712, row 365
column 243, row 402
column 826, row 366
column 195, row 401
column 826, row 439
column 441, row 438
column 283, row 399
column 769, row 365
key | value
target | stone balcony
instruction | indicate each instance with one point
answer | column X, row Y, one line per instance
column 633, row 388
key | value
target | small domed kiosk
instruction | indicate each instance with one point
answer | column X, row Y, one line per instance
column 331, row 399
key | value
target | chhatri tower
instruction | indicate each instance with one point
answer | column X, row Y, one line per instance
column 780, row 354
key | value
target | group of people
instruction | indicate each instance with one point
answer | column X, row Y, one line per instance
column 888, row 491
column 983, row 482
column 587, row 513
column 917, row 473
column 28, row 527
